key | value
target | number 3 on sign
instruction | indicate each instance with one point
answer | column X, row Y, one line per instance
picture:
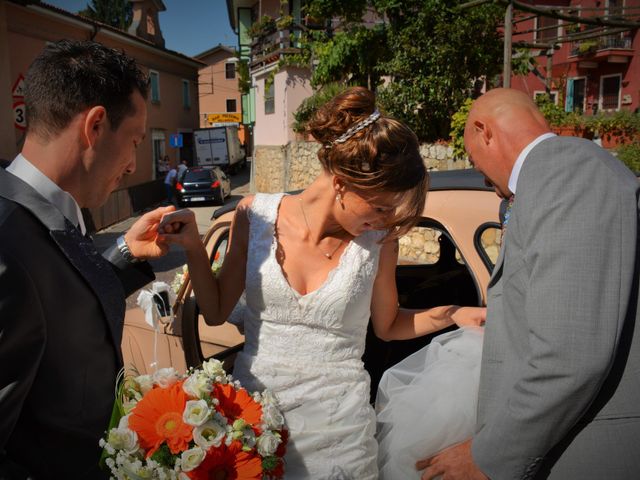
column 20, row 120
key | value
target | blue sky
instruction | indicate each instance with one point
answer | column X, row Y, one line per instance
column 188, row 26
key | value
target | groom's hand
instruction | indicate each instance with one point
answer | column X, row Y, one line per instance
column 454, row 463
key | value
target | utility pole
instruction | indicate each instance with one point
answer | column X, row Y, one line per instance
column 508, row 29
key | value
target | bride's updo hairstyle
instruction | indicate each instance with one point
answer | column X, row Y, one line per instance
column 372, row 153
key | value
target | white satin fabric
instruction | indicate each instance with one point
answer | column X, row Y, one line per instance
column 307, row 349
column 428, row 402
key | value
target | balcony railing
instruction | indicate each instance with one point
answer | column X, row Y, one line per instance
column 586, row 47
column 270, row 47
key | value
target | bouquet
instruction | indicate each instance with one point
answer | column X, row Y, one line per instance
column 199, row 426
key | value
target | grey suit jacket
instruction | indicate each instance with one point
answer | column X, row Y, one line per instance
column 61, row 311
column 560, row 383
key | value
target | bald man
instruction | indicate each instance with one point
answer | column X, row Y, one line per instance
column 560, row 384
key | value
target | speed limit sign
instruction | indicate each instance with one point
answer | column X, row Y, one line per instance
column 19, row 117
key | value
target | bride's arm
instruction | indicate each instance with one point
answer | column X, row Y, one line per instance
column 393, row 323
column 216, row 295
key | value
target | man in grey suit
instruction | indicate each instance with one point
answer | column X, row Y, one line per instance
column 560, row 383
column 61, row 303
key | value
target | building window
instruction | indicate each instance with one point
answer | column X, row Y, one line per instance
column 553, row 95
column 269, row 99
column 186, row 96
column 230, row 70
column 154, row 78
column 231, row 105
column 576, row 94
column 546, row 29
column 610, row 92
column 158, row 152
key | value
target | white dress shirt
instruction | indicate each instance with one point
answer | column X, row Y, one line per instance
column 63, row 201
column 515, row 172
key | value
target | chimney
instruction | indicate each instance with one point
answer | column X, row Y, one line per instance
column 145, row 22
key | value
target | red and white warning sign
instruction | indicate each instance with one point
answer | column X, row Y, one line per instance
column 18, row 87
column 19, row 117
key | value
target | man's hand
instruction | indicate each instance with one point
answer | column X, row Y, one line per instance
column 142, row 238
column 454, row 463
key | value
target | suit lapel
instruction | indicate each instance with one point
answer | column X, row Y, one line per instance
column 80, row 251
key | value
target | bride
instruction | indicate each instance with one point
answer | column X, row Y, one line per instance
column 314, row 268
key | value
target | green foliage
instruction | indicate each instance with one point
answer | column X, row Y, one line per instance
column 437, row 53
column 458, row 121
column 164, row 456
column 117, row 13
column 630, row 156
column 587, row 46
column 555, row 114
column 350, row 11
column 262, row 27
column 622, row 123
column 244, row 78
column 522, row 62
column 310, row 105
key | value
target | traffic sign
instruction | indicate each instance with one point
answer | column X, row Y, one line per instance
column 18, row 87
column 175, row 140
column 19, row 117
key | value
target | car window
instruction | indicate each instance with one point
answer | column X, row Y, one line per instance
column 197, row 176
column 421, row 245
column 488, row 239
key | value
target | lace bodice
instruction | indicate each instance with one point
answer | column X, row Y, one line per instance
column 327, row 324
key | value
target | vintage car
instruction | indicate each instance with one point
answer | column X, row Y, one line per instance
column 446, row 259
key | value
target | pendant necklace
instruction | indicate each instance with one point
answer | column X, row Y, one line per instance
column 329, row 256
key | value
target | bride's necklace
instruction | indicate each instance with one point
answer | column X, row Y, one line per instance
column 328, row 255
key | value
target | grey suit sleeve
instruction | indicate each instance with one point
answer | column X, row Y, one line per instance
column 577, row 226
column 22, row 341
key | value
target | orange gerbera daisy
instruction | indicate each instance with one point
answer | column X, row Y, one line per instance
column 236, row 404
column 228, row 463
column 157, row 418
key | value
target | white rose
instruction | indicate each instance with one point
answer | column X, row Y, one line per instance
column 268, row 443
column 196, row 412
column 197, row 385
column 124, row 422
column 213, row 368
column 272, row 416
column 192, row 458
column 123, row 439
column 209, row 434
column 144, row 383
column 165, row 377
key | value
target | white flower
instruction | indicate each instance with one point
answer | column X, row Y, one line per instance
column 123, row 439
column 209, row 434
column 192, row 458
column 165, row 377
column 248, row 437
column 213, row 368
column 124, row 422
column 272, row 416
column 144, row 383
column 268, row 398
column 197, row 385
column 268, row 443
column 196, row 412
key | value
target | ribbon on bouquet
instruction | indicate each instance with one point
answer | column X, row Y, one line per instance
column 156, row 304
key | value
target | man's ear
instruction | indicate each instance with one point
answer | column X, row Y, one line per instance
column 95, row 124
column 484, row 129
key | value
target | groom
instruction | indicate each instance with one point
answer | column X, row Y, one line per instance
column 61, row 303
column 559, row 388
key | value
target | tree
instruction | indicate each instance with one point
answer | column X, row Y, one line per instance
column 437, row 53
column 431, row 51
column 117, row 13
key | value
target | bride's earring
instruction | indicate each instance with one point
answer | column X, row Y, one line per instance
column 339, row 197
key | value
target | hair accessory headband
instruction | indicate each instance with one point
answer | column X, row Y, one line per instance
column 355, row 129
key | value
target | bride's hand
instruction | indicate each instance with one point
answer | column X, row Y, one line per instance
column 469, row 316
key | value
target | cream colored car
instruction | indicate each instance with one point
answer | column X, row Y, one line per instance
column 446, row 259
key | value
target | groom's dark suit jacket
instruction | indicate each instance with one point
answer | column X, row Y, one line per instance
column 62, row 307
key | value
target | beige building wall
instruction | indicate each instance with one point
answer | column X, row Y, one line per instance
column 216, row 89
column 27, row 30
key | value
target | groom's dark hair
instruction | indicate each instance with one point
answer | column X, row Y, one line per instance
column 70, row 76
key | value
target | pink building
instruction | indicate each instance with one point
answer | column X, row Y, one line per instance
column 26, row 27
column 589, row 73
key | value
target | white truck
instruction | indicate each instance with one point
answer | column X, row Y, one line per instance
column 219, row 146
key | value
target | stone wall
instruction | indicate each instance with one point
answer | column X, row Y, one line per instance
column 294, row 166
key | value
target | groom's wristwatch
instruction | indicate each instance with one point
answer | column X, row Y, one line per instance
column 123, row 248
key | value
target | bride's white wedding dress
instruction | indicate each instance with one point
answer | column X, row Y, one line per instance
column 307, row 349
column 428, row 402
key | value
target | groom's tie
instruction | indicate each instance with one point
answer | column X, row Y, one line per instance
column 507, row 214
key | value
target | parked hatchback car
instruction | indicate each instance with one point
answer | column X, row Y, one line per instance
column 203, row 184
column 446, row 259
